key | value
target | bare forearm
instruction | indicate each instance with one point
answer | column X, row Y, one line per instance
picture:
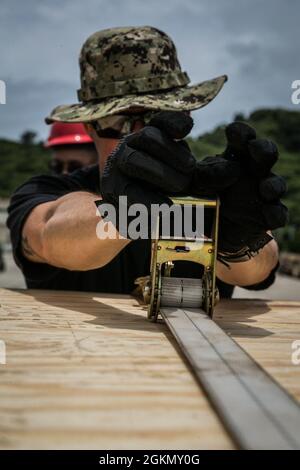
column 68, row 236
column 253, row 271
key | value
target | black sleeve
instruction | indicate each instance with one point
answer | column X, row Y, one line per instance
column 38, row 190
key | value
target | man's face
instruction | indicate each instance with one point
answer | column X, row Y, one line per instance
column 106, row 137
column 68, row 158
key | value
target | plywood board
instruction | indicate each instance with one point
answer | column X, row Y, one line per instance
column 89, row 371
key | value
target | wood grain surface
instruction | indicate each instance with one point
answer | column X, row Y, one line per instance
column 89, row 371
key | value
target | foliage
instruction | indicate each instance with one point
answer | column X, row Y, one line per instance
column 19, row 161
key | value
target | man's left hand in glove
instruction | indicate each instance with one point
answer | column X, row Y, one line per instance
column 251, row 206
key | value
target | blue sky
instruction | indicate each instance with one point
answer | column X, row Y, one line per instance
column 255, row 42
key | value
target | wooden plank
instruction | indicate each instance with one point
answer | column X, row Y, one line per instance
column 266, row 330
column 258, row 413
column 89, row 371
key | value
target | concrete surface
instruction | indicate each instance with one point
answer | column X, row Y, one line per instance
column 12, row 276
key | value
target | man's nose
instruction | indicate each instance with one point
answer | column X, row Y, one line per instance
column 138, row 125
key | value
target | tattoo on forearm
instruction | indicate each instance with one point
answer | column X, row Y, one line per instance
column 27, row 250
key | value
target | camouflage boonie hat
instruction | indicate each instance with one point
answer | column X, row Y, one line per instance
column 133, row 68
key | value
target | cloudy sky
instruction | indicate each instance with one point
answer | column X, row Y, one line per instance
column 255, row 42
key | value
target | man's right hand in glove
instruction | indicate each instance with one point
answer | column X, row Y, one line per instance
column 154, row 163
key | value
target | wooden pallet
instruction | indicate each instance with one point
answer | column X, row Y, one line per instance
column 89, row 371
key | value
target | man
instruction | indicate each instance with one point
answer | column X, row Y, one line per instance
column 127, row 75
column 71, row 148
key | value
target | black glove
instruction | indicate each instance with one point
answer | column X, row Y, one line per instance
column 153, row 163
column 251, row 206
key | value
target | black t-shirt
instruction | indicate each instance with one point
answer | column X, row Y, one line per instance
column 118, row 276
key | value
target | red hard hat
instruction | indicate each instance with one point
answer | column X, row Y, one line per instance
column 63, row 133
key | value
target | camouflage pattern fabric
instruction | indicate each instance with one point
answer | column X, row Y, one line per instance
column 133, row 68
column 123, row 61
